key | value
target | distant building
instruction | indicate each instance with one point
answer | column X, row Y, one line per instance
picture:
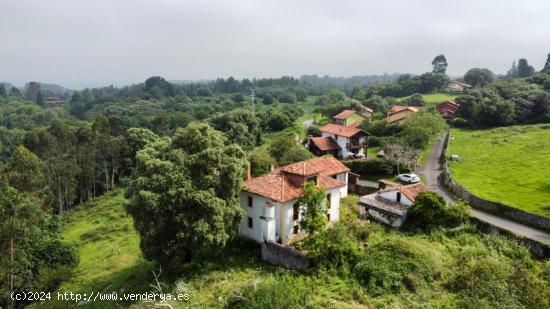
column 270, row 200
column 391, row 204
column 54, row 102
column 399, row 113
column 457, row 87
column 447, row 109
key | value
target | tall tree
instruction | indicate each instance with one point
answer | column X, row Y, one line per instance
column 439, row 64
column 313, row 205
column 183, row 195
column 3, row 91
column 479, row 77
column 513, row 72
column 546, row 68
column 524, row 69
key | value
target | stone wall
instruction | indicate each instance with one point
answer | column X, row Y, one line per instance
column 284, row 256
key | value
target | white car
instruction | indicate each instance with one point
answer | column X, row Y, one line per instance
column 410, row 178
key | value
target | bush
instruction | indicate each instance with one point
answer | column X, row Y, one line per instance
column 395, row 265
column 459, row 123
column 313, row 131
column 333, row 247
column 430, row 210
column 373, row 167
column 261, row 162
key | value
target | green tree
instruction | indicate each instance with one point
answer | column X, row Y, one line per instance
column 241, row 126
column 479, row 77
column 430, row 210
column 261, row 162
column 14, row 92
column 3, row 91
column 439, row 64
column 313, row 204
column 430, row 82
column 546, row 68
column 268, row 99
column 513, row 71
column 524, row 69
column 285, row 150
column 40, row 99
column 420, row 128
column 415, row 100
column 183, row 195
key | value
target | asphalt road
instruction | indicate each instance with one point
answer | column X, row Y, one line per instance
column 431, row 171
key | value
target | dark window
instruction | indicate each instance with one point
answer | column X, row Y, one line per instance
column 398, row 198
column 334, row 176
column 296, row 229
column 328, row 201
column 250, row 201
column 328, row 216
column 296, row 211
column 250, row 222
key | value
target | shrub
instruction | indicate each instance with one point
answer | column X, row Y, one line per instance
column 333, row 247
column 459, row 123
column 430, row 210
column 373, row 167
column 396, row 264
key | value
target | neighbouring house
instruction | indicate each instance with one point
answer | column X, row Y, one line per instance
column 368, row 112
column 352, row 142
column 457, row 87
column 349, row 118
column 398, row 114
column 269, row 201
column 447, row 109
column 54, row 102
column 391, row 204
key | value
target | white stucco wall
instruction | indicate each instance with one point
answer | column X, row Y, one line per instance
column 392, row 196
column 344, row 178
column 263, row 218
column 342, row 142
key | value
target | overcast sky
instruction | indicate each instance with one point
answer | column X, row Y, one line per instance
column 95, row 43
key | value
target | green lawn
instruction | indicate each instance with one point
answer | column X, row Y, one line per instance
column 433, row 98
column 509, row 165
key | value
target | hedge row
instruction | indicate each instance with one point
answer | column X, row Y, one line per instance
column 373, row 167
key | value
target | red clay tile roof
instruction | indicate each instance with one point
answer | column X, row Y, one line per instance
column 340, row 130
column 399, row 108
column 344, row 114
column 411, row 191
column 325, row 143
column 389, row 183
column 277, row 186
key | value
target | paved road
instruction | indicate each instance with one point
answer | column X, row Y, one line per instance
column 431, row 171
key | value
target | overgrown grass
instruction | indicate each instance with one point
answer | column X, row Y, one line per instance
column 510, row 165
column 108, row 246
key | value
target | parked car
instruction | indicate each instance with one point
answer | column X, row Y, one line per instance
column 410, row 178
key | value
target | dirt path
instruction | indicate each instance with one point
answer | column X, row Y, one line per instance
column 431, row 171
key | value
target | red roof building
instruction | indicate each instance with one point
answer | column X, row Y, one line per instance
column 447, row 109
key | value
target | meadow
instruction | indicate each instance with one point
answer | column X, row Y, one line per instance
column 510, row 165
column 432, row 99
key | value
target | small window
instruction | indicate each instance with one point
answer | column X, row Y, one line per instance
column 250, row 201
column 328, row 201
column 250, row 223
column 296, row 229
column 398, row 197
column 334, row 176
column 328, row 216
column 295, row 211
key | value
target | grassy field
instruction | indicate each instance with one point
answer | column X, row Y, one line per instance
column 509, row 165
column 433, row 98
column 111, row 261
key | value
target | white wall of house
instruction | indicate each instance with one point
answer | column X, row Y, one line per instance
column 342, row 142
column 343, row 177
column 392, row 196
column 280, row 217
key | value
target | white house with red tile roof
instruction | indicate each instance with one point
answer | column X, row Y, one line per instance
column 269, row 201
column 390, row 205
column 352, row 141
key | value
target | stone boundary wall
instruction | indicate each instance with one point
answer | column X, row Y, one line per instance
column 284, row 256
column 495, row 208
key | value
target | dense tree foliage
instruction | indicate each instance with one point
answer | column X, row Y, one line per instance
column 286, row 150
column 314, row 208
column 430, row 210
column 479, row 77
column 439, row 64
column 183, row 195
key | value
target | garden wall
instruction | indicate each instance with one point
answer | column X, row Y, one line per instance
column 284, row 256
